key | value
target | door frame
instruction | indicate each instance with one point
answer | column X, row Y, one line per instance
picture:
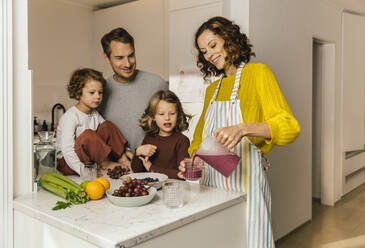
column 16, row 133
column 331, row 170
column 6, row 125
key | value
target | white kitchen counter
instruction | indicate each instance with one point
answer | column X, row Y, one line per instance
column 105, row 225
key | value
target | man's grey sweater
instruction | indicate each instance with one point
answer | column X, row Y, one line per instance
column 124, row 103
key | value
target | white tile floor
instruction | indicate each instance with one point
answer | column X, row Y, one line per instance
column 342, row 226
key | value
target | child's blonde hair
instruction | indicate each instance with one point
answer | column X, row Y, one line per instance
column 147, row 121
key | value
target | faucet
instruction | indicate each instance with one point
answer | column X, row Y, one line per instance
column 58, row 106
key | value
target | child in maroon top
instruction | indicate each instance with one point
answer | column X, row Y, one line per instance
column 164, row 146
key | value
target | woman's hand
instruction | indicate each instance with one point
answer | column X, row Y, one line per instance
column 146, row 150
column 230, row 136
column 146, row 162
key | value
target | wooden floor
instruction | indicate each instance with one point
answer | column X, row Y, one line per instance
column 342, row 226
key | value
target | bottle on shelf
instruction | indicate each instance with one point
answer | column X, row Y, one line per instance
column 35, row 125
column 44, row 126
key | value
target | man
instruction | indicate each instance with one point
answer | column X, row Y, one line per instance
column 128, row 91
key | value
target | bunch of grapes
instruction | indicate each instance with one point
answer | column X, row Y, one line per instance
column 117, row 172
column 131, row 188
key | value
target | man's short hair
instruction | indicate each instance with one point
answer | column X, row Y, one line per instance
column 118, row 34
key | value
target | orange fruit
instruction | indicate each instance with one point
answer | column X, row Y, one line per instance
column 104, row 182
column 95, row 190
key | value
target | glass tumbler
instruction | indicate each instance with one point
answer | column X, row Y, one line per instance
column 173, row 193
column 193, row 172
column 89, row 172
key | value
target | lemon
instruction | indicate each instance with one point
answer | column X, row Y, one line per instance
column 84, row 183
column 104, row 182
column 95, row 190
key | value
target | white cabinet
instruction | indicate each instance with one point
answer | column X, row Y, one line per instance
column 353, row 36
column 184, row 77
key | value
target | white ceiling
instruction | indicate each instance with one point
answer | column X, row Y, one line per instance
column 99, row 4
column 357, row 6
column 349, row 5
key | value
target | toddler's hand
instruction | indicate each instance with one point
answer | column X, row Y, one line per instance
column 182, row 169
column 105, row 165
column 146, row 150
column 146, row 162
column 129, row 154
column 125, row 162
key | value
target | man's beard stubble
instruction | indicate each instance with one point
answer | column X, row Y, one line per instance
column 125, row 79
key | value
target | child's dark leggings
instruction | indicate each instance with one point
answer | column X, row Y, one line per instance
column 95, row 146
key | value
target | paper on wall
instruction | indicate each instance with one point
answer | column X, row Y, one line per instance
column 189, row 85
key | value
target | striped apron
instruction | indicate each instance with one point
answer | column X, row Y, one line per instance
column 249, row 175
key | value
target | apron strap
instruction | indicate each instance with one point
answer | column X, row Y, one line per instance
column 216, row 90
column 236, row 85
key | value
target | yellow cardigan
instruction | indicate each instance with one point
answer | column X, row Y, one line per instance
column 261, row 101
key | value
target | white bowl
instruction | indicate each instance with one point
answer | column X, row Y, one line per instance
column 141, row 175
column 131, row 201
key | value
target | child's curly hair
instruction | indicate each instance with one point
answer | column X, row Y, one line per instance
column 79, row 78
column 236, row 44
column 147, row 121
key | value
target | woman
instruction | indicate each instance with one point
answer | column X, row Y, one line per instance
column 246, row 111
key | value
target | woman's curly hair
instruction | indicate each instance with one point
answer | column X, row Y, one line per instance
column 147, row 121
column 236, row 44
column 79, row 78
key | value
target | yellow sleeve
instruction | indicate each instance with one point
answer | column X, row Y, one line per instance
column 276, row 111
column 197, row 138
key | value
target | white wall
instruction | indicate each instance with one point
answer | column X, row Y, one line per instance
column 145, row 21
column 60, row 37
column 282, row 33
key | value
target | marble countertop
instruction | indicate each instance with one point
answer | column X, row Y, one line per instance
column 106, row 225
